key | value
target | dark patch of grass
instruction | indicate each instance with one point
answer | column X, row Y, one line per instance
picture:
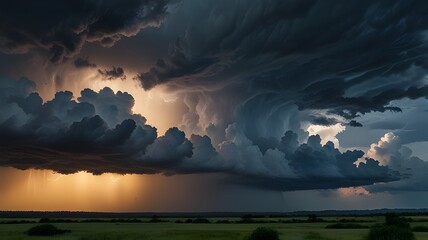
column 346, row 226
column 315, row 236
column 390, row 232
column 343, row 220
column 420, row 228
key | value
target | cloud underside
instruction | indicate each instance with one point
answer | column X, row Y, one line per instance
column 348, row 58
column 60, row 29
column 99, row 134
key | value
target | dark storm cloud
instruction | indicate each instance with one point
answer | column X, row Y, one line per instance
column 99, row 134
column 349, row 58
column 179, row 65
column 249, row 72
column 61, row 28
column 83, row 63
column 113, row 73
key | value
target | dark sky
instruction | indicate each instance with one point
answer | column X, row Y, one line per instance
column 299, row 97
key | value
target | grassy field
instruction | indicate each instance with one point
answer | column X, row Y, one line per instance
column 177, row 231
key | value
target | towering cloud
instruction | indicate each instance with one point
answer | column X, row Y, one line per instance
column 390, row 151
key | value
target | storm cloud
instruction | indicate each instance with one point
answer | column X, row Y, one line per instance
column 253, row 77
column 99, row 133
column 345, row 59
column 61, row 28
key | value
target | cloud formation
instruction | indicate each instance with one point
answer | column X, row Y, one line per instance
column 255, row 76
column 113, row 73
column 390, row 151
column 61, row 28
column 99, row 133
column 344, row 59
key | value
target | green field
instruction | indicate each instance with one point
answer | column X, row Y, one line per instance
column 182, row 231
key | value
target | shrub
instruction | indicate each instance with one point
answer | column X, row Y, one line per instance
column 245, row 220
column 314, row 218
column 156, row 219
column 201, row 220
column 46, row 230
column 393, row 219
column 420, row 228
column 390, row 233
column 44, row 220
column 264, row 233
column 223, row 221
column 189, row 220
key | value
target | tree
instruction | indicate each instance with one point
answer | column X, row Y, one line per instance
column 264, row 233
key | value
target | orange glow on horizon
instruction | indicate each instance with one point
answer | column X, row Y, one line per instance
column 49, row 191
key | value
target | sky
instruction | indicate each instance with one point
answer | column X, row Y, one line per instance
column 214, row 105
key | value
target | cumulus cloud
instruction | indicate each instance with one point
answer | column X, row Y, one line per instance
column 390, row 151
column 113, row 73
column 169, row 149
column 61, row 28
column 98, row 133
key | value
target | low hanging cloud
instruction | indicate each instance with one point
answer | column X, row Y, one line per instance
column 113, row 73
column 99, row 134
column 61, row 28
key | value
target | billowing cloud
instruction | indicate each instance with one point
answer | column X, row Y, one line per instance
column 390, row 151
column 61, row 28
column 99, row 133
column 249, row 55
